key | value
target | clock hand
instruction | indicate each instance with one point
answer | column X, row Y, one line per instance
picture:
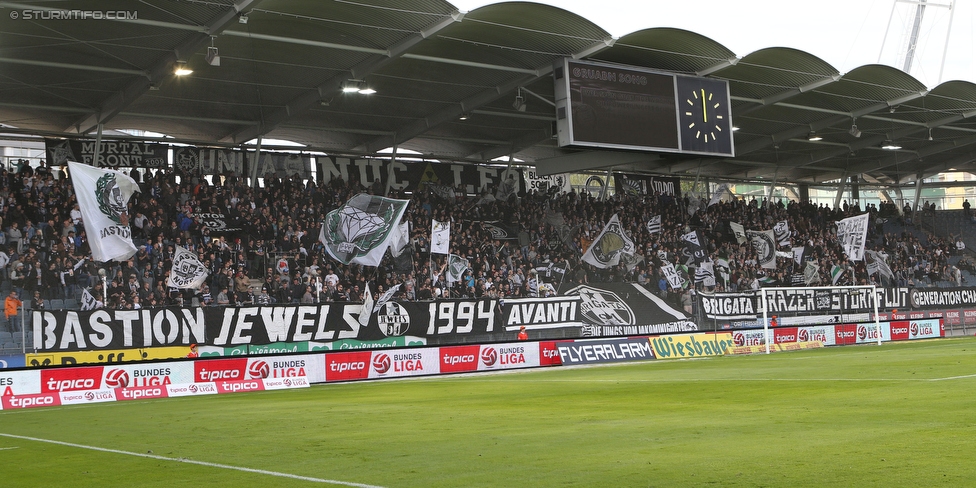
column 704, row 107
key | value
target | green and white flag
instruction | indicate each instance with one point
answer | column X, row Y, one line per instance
column 103, row 197
column 361, row 230
column 835, row 272
column 456, row 265
column 606, row 249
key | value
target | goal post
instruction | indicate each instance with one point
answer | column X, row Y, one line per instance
column 833, row 289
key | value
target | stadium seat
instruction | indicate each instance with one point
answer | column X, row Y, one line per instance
column 27, row 305
column 47, row 304
column 71, row 304
column 57, row 304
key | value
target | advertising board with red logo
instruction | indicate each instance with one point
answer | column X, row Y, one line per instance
column 239, row 386
column 192, row 389
column 549, row 354
column 71, row 379
column 869, row 332
column 140, row 375
column 227, row 369
column 345, row 366
column 822, row 333
column 286, row 383
column 925, row 329
column 141, row 392
column 276, row 367
column 899, row 330
column 404, row 362
column 20, row 382
column 459, row 359
column 845, row 334
column 87, row 396
column 747, row 338
column 30, row 401
column 782, row 335
column 508, row 356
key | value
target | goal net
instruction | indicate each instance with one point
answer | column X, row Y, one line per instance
column 844, row 304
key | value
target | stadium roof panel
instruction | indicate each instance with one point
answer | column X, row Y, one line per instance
column 282, row 71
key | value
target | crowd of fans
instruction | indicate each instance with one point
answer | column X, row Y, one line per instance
column 46, row 253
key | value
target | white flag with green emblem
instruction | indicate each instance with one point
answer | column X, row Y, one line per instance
column 103, row 197
column 361, row 230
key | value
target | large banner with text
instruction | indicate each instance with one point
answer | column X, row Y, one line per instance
column 297, row 328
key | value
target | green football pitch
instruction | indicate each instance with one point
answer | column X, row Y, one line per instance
column 893, row 415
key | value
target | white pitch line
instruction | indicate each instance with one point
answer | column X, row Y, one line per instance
column 190, row 461
column 7, row 448
column 955, row 377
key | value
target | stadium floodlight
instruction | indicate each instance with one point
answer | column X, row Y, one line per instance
column 519, row 103
column 890, row 146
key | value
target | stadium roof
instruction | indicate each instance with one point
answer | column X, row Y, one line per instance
column 283, row 64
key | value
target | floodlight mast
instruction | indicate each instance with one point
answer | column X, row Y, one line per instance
column 765, row 313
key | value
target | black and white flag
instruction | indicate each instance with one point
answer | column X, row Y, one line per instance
column 187, row 272
column 694, row 246
column 456, row 266
column 764, row 243
column 782, row 232
column 607, row 248
column 88, row 301
column 875, row 262
column 705, row 273
column 738, row 231
column 654, row 224
column 852, row 234
column 386, row 296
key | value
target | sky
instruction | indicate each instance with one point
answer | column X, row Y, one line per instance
column 844, row 33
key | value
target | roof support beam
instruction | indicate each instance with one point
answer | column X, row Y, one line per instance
column 787, row 94
column 816, row 157
column 775, row 139
column 453, row 111
column 718, row 66
column 80, row 67
column 161, row 69
column 528, row 140
column 312, row 97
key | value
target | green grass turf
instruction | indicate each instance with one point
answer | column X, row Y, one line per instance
column 895, row 415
